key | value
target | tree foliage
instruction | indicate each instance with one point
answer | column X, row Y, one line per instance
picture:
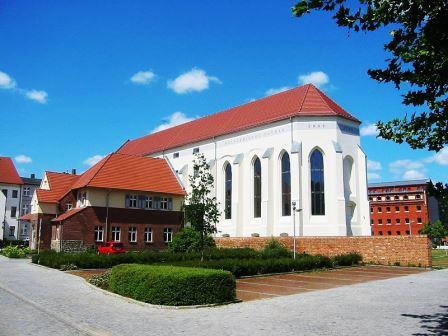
column 201, row 209
column 418, row 61
column 436, row 231
column 440, row 192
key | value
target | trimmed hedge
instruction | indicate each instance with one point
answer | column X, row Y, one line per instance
column 172, row 286
column 15, row 251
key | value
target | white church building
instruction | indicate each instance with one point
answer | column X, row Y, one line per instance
column 295, row 146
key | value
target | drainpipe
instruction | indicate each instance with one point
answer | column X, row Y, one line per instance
column 107, row 216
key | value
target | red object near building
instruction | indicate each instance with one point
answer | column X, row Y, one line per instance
column 111, row 248
column 400, row 208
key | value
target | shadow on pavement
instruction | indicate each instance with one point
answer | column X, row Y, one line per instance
column 436, row 324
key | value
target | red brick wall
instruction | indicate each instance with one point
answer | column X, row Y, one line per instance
column 45, row 239
column 81, row 226
column 406, row 250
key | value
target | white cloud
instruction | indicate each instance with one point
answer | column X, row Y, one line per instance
column 373, row 176
column 93, row 160
column 317, row 78
column 174, row 119
column 193, row 80
column 413, row 174
column 23, row 159
column 373, row 165
column 37, row 95
column 273, row 91
column 441, row 157
column 369, row 129
column 405, row 164
column 143, row 77
column 6, row 81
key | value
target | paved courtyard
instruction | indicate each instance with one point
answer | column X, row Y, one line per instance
column 41, row 301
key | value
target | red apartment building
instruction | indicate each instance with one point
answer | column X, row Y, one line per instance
column 400, row 208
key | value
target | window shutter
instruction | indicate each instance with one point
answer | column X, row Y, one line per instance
column 170, row 203
column 127, row 203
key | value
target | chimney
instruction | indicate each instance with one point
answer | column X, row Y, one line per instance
column 33, row 176
column 73, row 171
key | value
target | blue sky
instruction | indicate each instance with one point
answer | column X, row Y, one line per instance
column 79, row 78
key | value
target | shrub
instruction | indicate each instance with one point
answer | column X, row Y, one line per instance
column 15, row 252
column 69, row 267
column 189, row 240
column 275, row 249
column 347, row 259
column 172, row 286
column 101, row 280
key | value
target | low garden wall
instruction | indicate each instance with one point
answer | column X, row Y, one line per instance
column 386, row 250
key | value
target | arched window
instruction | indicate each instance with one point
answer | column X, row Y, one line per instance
column 317, row 183
column 228, row 191
column 286, row 185
column 257, row 188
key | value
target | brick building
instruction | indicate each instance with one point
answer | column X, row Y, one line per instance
column 400, row 208
column 123, row 198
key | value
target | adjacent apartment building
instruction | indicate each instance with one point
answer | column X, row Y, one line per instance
column 10, row 187
column 30, row 184
column 123, row 198
column 295, row 146
column 401, row 208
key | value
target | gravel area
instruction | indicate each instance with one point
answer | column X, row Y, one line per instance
column 41, row 301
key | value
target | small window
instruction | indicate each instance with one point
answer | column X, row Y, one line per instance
column 116, row 233
column 389, row 233
column 398, row 233
column 406, row 208
column 15, row 193
column 26, row 191
column 396, row 197
column 132, row 201
column 68, row 206
column 380, row 233
column 371, row 222
column 370, row 198
column 388, row 198
column 13, row 212
column 371, row 210
column 405, row 197
column 82, row 197
column 418, row 196
column 148, row 202
column 24, row 230
column 419, row 220
column 168, row 235
column 419, row 208
column 98, row 233
column 196, row 150
column 132, row 234
column 5, row 192
column 407, row 232
column 407, row 220
column 380, row 222
column 12, row 230
column 388, row 209
column 164, row 203
column 397, row 209
column 389, row 221
column 148, row 235
column 397, row 221
column 378, row 198
column 175, row 155
column 380, row 210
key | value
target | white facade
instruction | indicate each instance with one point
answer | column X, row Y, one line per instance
column 10, row 211
column 345, row 181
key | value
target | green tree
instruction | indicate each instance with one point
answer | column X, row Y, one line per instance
column 440, row 192
column 189, row 240
column 201, row 209
column 436, row 232
column 418, row 62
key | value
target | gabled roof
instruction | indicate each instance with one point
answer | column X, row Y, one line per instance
column 8, row 172
column 67, row 214
column 134, row 173
column 306, row 100
column 59, row 184
column 398, row 183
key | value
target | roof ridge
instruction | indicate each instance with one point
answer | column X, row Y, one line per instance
column 304, row 96
column 107, row 158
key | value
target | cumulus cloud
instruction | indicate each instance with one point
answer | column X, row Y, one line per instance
column 23, row 159
column 6, row 81
column 440, row 158
column 93, row 160
column 273, row 91
column 174, row 119
column 373, row 176
column 317, row 78
column 413, row 174
column 143, row 77
column 37, row 95
column 368, row 130
column 373, row 165
column 191, row 81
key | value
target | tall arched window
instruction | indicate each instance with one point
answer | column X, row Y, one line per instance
column 257, row 188
column 286, row 185
column 228, row 191
column 317, row 183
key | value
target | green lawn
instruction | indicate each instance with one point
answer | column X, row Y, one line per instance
column 440, row 258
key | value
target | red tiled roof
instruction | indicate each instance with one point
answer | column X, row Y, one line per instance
column 8, row 172
column 27, row 217
column 128, row 172
column 306, row 100
column 60, row 184
column 67, row 214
